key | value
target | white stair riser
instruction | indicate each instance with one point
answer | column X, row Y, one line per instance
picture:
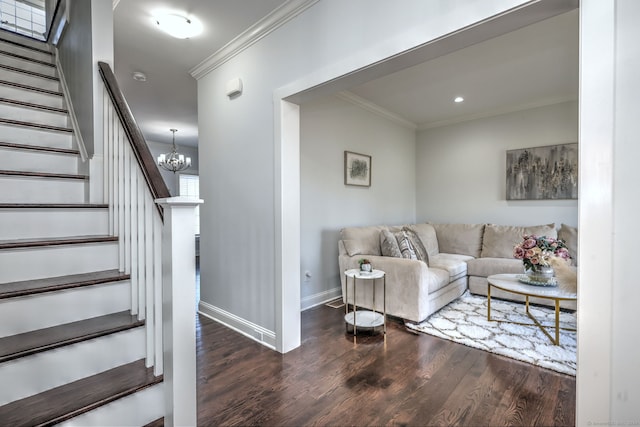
column 33, row 223
column 32, row 115
column 41, row 262
column 30, row 53
column 30, row 136
column 39, row 161
column 62, row 307
column 10, row 36
column 40, row 372
column 29, row 80
column 27, row 65
column 138, row 409
column 41, row 190
column 34, row 97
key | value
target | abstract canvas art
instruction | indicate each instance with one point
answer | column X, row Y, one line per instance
column 357, row 169
column 543, row 173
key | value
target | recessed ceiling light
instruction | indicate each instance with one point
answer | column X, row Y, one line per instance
column 178, row 26
column 139, row 76
column 458, row 99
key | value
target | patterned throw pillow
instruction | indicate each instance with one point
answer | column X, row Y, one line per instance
column 418, row 247
column 406, row 248
column 389, row 244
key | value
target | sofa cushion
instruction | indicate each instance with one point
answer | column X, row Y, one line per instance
column 570, row 236
column 437, row 278
column 498, row 240
column 418, row 247
column 454, row 264
column 427, row 235
column 463, row 239
column 389, row 244
column 484, row 267
column 362, row 240
column 405, row 245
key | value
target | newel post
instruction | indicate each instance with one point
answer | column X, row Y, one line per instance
column 178, row 307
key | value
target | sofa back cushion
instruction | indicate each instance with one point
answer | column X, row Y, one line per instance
column 498, row 240
column 462, row 239
column 362, row 240
column 570, row 236
column 427, row 235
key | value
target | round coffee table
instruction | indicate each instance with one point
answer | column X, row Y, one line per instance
column 511, row 283
column 367, row 319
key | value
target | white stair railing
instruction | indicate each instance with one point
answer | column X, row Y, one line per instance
column 156, row 248
column 136, row 220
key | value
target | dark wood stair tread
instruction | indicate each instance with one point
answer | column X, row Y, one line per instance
column 70, row 400
column 31, row 88
column 30, row 287
column 33, row 106
column 32, row 342
column 38, row 126
column 44, row 175
column 55, row 241
column 27, row 58
column 156, row 423
column 26, row 46
column 29, row 72
column 14, row 146
column 53, row 206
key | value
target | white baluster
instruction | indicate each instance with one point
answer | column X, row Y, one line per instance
column 149, row 278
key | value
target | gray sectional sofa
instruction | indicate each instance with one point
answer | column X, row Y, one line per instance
column 447, row 259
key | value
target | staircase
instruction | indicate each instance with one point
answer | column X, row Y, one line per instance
column 73, row 349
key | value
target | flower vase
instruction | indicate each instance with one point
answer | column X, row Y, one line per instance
column 541, row 274
column 365, row 268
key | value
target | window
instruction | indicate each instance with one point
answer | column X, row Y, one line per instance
column 190, row 186
column 23, row 17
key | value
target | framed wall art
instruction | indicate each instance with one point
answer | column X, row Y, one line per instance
column 543, row 173
column 357, row 169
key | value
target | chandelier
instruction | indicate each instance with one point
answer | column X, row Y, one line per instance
column 173, row 161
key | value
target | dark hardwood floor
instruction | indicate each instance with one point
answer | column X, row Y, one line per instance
column 412, row 380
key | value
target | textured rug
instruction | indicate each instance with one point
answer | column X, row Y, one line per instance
column 465, row 321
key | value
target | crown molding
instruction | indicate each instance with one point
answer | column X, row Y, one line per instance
column 375, row 109
column 251, row 35
column 497, row 112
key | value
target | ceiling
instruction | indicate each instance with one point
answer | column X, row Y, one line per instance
column 168, row 99
column 533, row 66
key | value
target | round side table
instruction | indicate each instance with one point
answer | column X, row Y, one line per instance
column 366, row 319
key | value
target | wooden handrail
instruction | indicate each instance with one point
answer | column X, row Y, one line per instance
column 140, row 149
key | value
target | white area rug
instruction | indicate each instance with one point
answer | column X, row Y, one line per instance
column 465, row 321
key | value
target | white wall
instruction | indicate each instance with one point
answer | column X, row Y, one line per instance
column 461, row 168
column 608, row 345
column 87, row 39
column 173, row 179
column 243, row 237
column 328, row 127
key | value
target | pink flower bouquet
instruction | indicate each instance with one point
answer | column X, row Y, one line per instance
column 537, row 251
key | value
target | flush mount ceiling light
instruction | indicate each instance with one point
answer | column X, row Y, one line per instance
column 178, row 26
column 458, row 99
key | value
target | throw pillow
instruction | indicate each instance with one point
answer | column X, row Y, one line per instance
column 570, row 236
column 421, row 251
column 389, row 244
column 406, row 248
column 427, row 235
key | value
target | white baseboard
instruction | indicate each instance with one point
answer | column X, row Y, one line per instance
column 238, row 324
column 320, row 298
